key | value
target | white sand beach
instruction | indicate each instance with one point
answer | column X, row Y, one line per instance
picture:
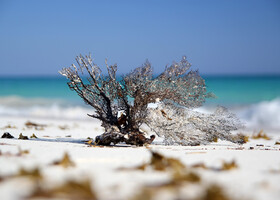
column 196, row 83
column 249, row 171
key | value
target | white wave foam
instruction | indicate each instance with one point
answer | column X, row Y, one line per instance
column 263, row 115
column 17, row 102
column 43, row 108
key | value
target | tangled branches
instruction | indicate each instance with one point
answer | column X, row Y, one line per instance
column 182, row 126
column 122, row 103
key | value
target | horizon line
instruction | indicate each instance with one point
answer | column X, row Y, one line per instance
column 202, row 75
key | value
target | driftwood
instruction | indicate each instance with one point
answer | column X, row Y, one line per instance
column 113, row 138
column 121, row 103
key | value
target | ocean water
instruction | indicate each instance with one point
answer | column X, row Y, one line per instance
column 254, row 99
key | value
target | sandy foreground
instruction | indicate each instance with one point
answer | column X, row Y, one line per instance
column 231, row 171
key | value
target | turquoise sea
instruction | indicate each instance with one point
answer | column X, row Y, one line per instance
column 255, row 99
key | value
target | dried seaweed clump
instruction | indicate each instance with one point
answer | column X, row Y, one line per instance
column 182, row 126
column 261, row 135
column 214, row 192
column 121, row 103
column 210, row 192
column 70, row 190
column 179, row 172
column 33, row 136
column 181, row 180
column 65, row 161
column 161, row 163
column 7, row 135
column 32, row 173
column 22, row 137
column 29, row 124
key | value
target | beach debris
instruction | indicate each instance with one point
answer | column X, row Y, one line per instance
column 22, row 137
column 211, row 191
column 122, row 117
column 70, row 190
column 68, row 136
column 133, row 138
column 160, row 163
column 189, row 127
column 33, row 136
column 165, row 115
column 215, row 139
column 65, row 161
column 29, row 124
column 214, row 192
column 229, row 165
column 241, row 138
column 237, row 138
column 176, row 92
column 146, row 192
column 63, row 127
column 90, row 142
column 22, row 152
column 9, row 126
column 277, row 143
column 261, row 135
column 8, row 154
column 7, row 135
column 34, row 174
column 179, row 172
column 199, row 165
column 225, row 166
column 180, row 177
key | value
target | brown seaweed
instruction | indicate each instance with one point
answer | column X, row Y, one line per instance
column 65, row 161
column 214, row 192
column 70, row 190
column 261, row 135
column 33, row 136
column 31, row 173
column 7, row 135
column 22, row 137
column 37, row 126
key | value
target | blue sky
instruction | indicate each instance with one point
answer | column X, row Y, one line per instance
column 218, row 37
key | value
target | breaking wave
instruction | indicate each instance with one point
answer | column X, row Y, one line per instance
column 262, row 115
column 43, row 108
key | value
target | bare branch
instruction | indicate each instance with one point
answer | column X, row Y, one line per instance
column 121, row 103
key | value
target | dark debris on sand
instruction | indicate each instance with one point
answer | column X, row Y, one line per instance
column 7, row 135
